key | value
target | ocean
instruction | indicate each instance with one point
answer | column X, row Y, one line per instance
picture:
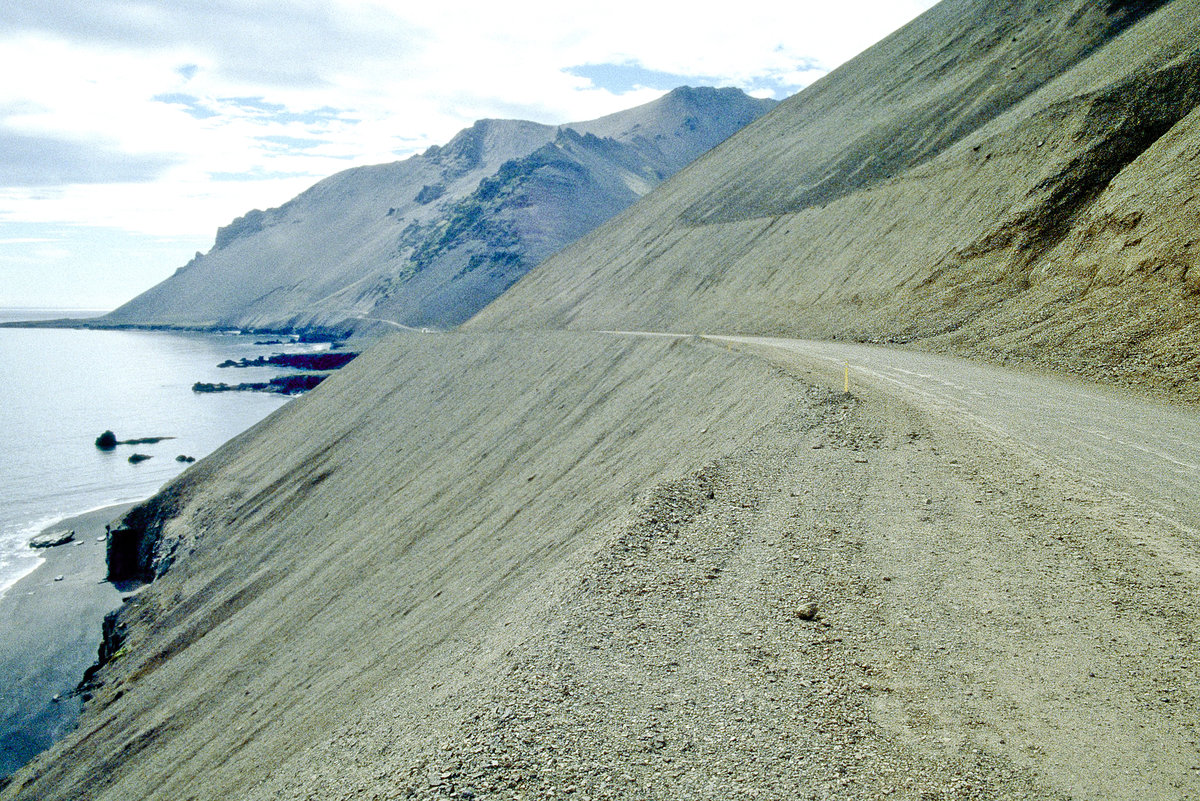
column 62, row 388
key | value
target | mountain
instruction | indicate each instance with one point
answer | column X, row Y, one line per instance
column 430, row 240
column 1009, row 181
column 511, row 562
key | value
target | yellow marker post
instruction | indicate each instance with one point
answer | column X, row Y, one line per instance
column 847, row 378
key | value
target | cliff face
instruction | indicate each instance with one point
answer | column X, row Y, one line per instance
column 430, row 240
column 1004, row 180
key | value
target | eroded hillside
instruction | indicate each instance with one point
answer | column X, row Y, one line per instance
column 538, row 564
column 379, row 537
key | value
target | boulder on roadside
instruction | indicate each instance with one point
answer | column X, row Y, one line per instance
column 52, row 538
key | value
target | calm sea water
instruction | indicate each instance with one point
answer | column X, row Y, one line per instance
column 60, row 389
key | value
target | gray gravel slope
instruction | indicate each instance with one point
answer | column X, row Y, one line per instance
column 568, row 564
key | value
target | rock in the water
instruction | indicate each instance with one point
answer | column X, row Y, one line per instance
column 187, row 459
column 283, row 385
column 143, row 441
column 300, row 361
column 139, row 457
column 52, row 538
column 106, row 441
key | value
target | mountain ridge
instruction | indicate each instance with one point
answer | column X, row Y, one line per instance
column 411, row 242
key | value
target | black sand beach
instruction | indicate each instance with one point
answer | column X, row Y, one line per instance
column 49, row 635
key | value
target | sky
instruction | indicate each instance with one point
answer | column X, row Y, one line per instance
column 130, row 130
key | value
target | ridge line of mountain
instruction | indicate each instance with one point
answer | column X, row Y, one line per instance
column 427, row 241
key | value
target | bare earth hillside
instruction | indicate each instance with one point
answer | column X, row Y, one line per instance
column 498, row 566
column 1009, row 180
column 430, row 240
column 513, row 562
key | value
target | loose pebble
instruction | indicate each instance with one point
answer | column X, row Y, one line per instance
column 806, row 611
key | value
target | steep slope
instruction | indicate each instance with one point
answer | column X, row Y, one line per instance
column 1002, row 179
column 540, row 564
column 366, row 534
column 432, row 239
column 570, row 564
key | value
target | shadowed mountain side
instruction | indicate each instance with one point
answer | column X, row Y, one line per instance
column 391, row 532
column 432, row 239
column 1000, row 182
column 514, row 220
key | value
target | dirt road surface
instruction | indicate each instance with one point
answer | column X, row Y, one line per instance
column 1146, row 452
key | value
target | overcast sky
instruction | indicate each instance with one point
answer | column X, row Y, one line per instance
column 131, row 129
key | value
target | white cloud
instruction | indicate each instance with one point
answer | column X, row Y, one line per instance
column 183, row 207
column 135, row 107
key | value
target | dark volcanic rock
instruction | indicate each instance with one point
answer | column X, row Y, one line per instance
column 299, row 361
column 282, row 385
column 139, row 457
column 204, row 386
column 144, row 441
column 293, row 384
column 123, row 552
column 108, row 441
column 133, row 549
column 112, row 637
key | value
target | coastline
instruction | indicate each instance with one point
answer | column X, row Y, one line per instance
column 74, row 521
column 49, row 635
column 304, row 334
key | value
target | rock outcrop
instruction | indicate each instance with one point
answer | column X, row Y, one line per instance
column 280, row 385
column 298, row 361
column 135, row 550
column 108, row 441
column 52, row 539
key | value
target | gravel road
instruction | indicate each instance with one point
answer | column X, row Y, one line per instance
column 1145, row 451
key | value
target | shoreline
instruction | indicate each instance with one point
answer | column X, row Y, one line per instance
column 304, row 334
column 57, row 523
column 50, row 633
